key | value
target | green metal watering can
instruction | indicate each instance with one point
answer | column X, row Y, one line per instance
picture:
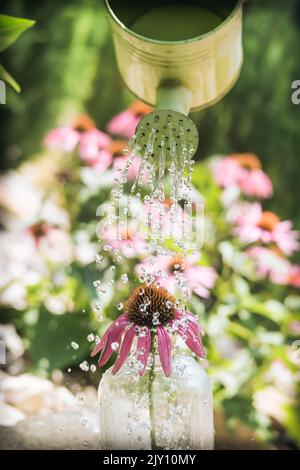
column 178, row 55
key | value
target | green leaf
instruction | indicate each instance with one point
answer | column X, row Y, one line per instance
column 11, row 28
column 4, row 75
column 53, row 334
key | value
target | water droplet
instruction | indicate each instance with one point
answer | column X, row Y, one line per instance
column 84, row 366
column 120, row 306
column 115, row 345
column 91, row 337
column 93, row 368
column 74, row 345
column 99, row 258
column 124, row 278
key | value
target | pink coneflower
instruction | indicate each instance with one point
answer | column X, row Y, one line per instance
column 119, row 164
column 150, row 313
column 66, row 138
column 270, row 263
column 244, row 171
column 176, row 272
column 255, row 225
column 94, row 149
column 124, row 124
column 128, row 242
column 93, row 145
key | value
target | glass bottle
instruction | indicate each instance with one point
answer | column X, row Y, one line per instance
column 154, row 411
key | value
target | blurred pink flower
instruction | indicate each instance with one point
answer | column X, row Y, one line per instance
column 175, row 272
column 94, row 149
column 269, row 263
column 62, row 138
column 93, row 145
column 124, row 123
column 159, row 318
column 40, row 230
column 129, row 243
column 119, row 164
column 244, row 171
column 255, row 225
column 294, row 276
column 66, row 138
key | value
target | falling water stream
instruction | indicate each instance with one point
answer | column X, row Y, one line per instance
column 165, row 142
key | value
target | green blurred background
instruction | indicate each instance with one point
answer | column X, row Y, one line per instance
column 65, row 64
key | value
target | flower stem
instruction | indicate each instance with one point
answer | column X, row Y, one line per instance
column 150, row 392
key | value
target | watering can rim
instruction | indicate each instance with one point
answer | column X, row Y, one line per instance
column 168, row 43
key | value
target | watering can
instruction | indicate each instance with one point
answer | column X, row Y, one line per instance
column 183, row 55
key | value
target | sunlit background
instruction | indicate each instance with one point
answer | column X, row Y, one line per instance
column 52, row 183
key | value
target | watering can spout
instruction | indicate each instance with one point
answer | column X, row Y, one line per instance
column 174, row 96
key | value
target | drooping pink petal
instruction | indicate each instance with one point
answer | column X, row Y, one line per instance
column 192, row 341
column 121, row 320
column 191, row 318
column 164, row 349
column 114, row 336
column 143, row 349
column 125, row 348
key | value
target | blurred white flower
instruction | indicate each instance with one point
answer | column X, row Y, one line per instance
column 13, row 343
column 271, row 402
column 18, row 195
column 58, row 304
column 282, row 378
column 96, row 179
column 21, row 266
column 85, row 250
column 57, row 246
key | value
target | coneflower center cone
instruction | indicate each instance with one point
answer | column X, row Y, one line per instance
column 149, row 305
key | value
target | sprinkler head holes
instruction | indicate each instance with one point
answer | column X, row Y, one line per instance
column 169, row 129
